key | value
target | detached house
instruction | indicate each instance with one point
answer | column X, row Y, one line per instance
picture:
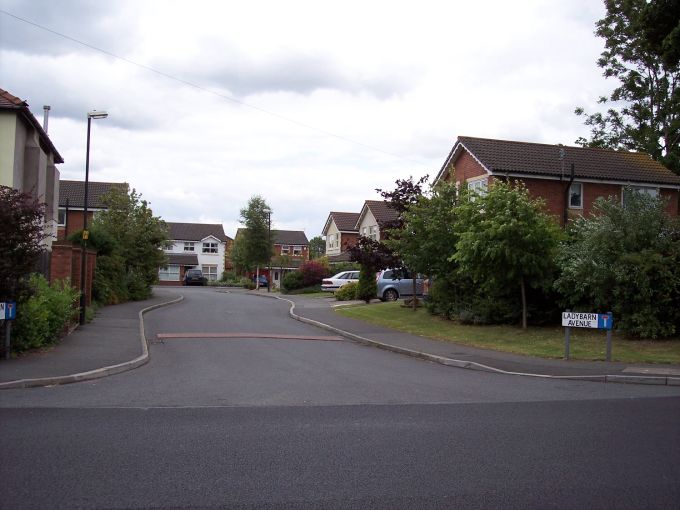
column 72, row 201
column 569, row 179
column 28, row 158
column 341, row 234
column 291, row 249
column 194, row 245
column 373, row 214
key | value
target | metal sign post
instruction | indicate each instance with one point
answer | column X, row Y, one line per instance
column 587, row 320
column 8, row 312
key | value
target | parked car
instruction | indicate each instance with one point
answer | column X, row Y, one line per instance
column 262, row 279
column 194, row 277
column 335, row 282
column 393, row 284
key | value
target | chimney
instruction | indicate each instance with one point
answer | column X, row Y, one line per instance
column 46, row 109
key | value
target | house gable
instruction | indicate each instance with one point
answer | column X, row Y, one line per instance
column 546, row 172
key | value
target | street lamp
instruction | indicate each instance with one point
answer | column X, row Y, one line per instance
column 94, row 114
column 269, row 247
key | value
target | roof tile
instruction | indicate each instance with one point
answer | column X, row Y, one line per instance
column 501, row 156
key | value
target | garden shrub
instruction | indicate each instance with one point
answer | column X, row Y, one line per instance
column 347, row 292
column 367, row 287
column 292, row 281
column 313, row 272
column 44, row 314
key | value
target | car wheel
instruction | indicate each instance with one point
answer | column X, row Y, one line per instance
column 390, row 295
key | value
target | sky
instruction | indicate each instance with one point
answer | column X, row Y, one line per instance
column 311, row 105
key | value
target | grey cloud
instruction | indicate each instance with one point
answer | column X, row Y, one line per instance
column 296, row 73
column 86, row 21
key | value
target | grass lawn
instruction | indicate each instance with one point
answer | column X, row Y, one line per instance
column 543, row 342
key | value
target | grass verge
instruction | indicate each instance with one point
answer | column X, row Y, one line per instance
column 542, row 342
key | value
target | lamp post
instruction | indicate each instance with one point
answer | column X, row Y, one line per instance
column 94, row 114
column 269, row 247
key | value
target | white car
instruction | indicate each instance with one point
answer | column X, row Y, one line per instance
column 335, row 282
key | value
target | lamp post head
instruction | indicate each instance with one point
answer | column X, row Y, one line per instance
column 97, row 114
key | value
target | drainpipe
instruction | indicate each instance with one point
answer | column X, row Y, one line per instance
column 46, row 110
column 566, row 197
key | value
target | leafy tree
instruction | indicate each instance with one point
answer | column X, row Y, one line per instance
column 21, row 240
column 625, row 259
column 372, row 256
column 238, row 256
column 400, row 238
column 129, row 240
column 642, row 51
column 317, row 247
column 257, row 244
column 506, row 241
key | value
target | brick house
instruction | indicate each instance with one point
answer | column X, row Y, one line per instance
column 193, row 245
column 290, row 250
column 546, row 171
column 341, row 234
column 373, row 214
column 72, row 201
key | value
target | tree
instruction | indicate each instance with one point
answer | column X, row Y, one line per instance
column 625, row 259
column 129, row 240
column 317, row 247
column 400, row 238
column 506, row 240
column 22, row 234
column 372, row 256
column 257, row 243
column 642, row 51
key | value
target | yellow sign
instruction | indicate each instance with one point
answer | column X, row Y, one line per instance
column 86, row 234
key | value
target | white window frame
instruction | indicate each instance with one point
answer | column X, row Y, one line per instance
column 373, row 232
column 210, row 248
column 647, row 190
column 580, row 195
column 285, row 249
column 169, row 274
column 189, row 246
column 478, row 185
column 210, row 272
column 59, row 211
column 297, row 251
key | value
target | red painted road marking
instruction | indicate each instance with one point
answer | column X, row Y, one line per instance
column 270, row 336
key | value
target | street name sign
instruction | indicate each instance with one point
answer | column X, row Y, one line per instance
column 587, row 320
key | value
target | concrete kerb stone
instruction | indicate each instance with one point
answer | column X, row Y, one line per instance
column 98, row 372
column 473, row 365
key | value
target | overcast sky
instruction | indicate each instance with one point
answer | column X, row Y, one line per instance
column 310, row 104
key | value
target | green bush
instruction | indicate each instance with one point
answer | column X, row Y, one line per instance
column 293, row 281
column 347, row 292
column 42, row 316
column 367, row 288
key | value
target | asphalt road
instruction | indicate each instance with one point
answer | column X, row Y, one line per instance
column 242, row 422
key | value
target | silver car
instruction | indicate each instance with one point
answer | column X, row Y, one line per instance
column 395, row 284
column 335, row 282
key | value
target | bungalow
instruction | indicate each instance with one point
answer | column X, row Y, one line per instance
column 569, row 179
column 341, row 234
column 72, row 201
column 193, row 245
column 373, row 215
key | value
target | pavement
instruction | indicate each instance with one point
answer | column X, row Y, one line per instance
column 115, row 342
column 112, row 343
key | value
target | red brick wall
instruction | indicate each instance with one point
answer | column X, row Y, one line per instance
column 74, row 223
column 304, row 256
column 464, row 168
column 65, row 263
column 347, row 241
